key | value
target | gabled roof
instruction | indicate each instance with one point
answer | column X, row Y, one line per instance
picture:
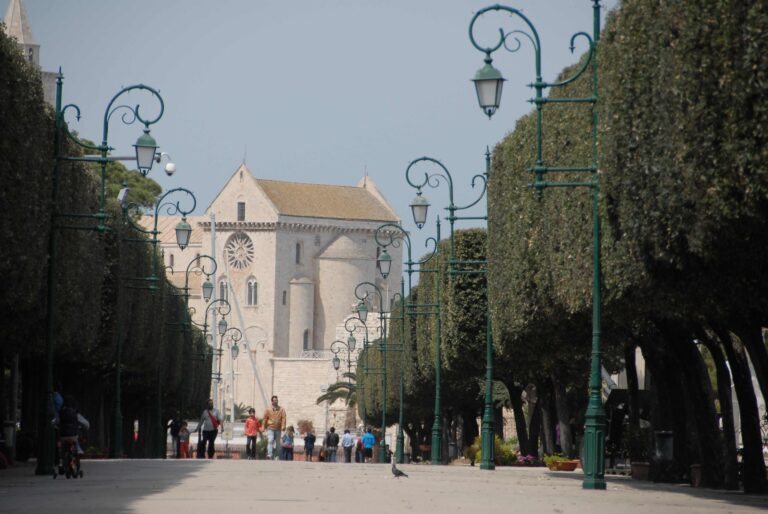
column 17, row 23
column 325, row 201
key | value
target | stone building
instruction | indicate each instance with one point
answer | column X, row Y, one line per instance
column 289, row 257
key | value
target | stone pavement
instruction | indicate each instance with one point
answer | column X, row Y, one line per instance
column 224, row 486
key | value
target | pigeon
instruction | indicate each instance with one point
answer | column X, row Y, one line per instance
column 397, row 472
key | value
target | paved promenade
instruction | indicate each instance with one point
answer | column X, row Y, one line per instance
column 224, row 486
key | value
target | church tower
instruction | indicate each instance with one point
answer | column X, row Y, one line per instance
column 17, row 26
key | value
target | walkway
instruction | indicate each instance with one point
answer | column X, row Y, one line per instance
column 223, row 486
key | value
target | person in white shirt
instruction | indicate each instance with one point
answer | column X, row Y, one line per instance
column 210, row 422
column 347, row 442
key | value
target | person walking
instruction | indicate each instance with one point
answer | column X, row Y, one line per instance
column 251, row 431
column 309, row 445
column 286, row 452
column 274, row 423
column 175, row 426
column 183, row 441
column 347, row 442
column 331, row 445
column 210, row 421
column 369, row 441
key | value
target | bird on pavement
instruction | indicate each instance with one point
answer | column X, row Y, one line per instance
column 397, row 472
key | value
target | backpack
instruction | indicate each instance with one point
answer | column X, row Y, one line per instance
column 68, row 423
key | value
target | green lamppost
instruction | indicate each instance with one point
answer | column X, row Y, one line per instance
column 337, row 347
column 419, row 208
column 488, row 82
column 232, row 336
column 349, row 326
column 183, row 232
column 145, row 155
column 362, row 291
column 386, row 235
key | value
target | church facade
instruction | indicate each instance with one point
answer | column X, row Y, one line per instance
column 289, row 256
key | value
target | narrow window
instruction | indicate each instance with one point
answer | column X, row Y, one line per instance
column 253, row 292
column 298, row 253
column 378, row 254
column 306, row 340
column 240, row 211
column 285, row 297
column 170, row 261
column 223, row 290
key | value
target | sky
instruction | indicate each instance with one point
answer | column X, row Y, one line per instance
column 306, row 91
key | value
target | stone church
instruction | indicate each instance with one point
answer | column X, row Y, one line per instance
column 289, row 256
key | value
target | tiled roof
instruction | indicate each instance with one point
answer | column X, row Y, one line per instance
column 325, row 201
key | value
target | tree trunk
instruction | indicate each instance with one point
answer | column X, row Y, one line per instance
column 753, row 474
column 548, row 439
column 632, row 385
column 730, row 465
column 563, row 418
column 515, row 397
column 535, row 429
column 752, row 339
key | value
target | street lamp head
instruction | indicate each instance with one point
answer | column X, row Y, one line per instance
column 385, row 263
column 488, row 84
column 351, row 342
column 207, row 290
column 222, row 325
column 419, row 209
column 183, row 231
column 145, row 146
column 336, row 362
column 362, row 311
column 235, row 351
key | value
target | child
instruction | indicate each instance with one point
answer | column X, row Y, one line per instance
column 287, row 444
column 184, row 441
column 251, row 430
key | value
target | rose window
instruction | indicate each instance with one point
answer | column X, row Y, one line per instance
column 239, row 251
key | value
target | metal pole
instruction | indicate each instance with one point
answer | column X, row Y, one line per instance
column 488, row 457
column 437, row 427
column 400, row 437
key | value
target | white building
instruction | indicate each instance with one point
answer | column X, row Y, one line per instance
column 289, row 258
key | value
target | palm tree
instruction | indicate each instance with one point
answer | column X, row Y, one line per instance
column 343, row 390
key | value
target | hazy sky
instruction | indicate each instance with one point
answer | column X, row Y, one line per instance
column 317, row 91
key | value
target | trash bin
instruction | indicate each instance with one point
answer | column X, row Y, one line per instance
column 452, row 450
column 9, row 434
column 664, row 447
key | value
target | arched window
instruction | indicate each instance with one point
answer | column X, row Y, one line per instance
column 240, row 211
column 298, row 253
column 170, row 261
column 253, row 292
column 223, row 289
column 285, row 297
column 307, row 344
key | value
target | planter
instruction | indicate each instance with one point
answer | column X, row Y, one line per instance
column 696, row 475
column 640, row 470
column 564, row 465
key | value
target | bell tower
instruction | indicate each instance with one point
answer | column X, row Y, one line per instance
column 17, row 25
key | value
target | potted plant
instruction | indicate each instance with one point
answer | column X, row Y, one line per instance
column 557, row 462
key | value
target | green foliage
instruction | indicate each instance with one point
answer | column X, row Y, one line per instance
column 90, row 272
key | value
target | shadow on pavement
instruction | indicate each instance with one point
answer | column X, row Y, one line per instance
column 732, row 497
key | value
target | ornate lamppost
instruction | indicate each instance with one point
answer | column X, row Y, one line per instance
column 183, row 232
column 145, row 155
column 232, row 335
column 386, row 235
column 488, row 82
column 362, row 291
column 419, row 208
